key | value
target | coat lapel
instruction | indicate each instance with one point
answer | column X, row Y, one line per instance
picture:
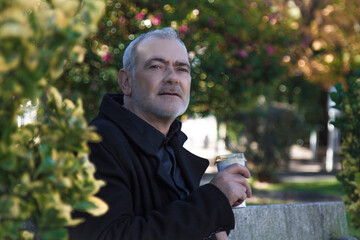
column 192, row 167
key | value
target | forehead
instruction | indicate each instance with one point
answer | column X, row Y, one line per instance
column 169, row 49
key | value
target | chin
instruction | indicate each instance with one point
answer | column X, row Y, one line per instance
column 171, row 113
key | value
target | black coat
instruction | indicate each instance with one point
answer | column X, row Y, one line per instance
column 142, row 205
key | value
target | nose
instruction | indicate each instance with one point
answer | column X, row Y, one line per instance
column 172, row 76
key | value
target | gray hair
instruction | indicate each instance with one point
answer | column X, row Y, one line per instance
column 130, row 54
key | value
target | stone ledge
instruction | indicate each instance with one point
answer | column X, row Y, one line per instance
column 304, row 221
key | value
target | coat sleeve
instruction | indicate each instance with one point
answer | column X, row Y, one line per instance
column 199, row 216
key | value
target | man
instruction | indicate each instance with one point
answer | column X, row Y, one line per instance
column 152, row 181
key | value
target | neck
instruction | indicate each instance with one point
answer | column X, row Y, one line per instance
column 163, row 127
column 162, row 124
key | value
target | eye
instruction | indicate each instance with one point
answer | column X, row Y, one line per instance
column 183, row 69
column 155, row 66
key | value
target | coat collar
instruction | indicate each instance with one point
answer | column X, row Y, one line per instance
column 139, row 131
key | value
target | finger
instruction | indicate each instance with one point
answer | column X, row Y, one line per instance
column 237, row 193
column 241, row 196
column 245, row 190
column 241, row 188
column 221, row 236
column 239, row 202
column 243, row 182
column 248, row 189
column 237, row 168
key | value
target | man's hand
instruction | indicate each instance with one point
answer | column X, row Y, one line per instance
column 221, row 236
column 232, row 182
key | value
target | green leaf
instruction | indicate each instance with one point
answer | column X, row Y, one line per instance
column 9, row 229
column 84, row 205
column 93, row 205
column 57, row 234
column 357, row 179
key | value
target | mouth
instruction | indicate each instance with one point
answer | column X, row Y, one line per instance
column 170, row 94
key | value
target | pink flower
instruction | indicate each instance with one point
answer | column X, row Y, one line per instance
column 183, row 29
column 270, row 50
column 157, row 19
column 107, row 57
column 241, row 53
column 140, row 16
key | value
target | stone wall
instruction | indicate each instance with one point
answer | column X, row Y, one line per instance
column 305, row 221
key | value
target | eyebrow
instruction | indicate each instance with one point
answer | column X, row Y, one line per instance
column 162, row 60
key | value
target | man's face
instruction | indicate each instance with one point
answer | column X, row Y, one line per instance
column 161, row 81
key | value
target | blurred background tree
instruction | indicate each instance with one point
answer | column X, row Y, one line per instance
column 330, row 40
column 245, row 56
column 236, row 49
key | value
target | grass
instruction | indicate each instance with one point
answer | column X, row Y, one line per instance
column 329, row 187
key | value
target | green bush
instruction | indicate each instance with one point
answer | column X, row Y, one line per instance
column 44, row 170
column 348, row 102
column 266, row 135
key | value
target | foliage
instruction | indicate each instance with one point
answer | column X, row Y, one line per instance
column 329, row 33
column 236, row 50
column 266, row 138
column 348, row 102
column 306, row 96
column 44, row 171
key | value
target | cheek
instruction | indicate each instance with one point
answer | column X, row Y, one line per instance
column 187, row 85
column 143, row 84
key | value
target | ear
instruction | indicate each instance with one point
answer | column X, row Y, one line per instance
column 125, row 80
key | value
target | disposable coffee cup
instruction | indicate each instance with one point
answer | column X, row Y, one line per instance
column 223, row 161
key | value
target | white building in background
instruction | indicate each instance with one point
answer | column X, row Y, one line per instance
column 203, row 138
column 29, row 113
column 333, row 144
